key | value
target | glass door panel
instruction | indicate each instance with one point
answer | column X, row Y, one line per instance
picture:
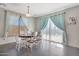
column 52, row 33
column 56, row 34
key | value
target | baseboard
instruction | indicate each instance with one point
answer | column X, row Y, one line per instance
column 7, row 40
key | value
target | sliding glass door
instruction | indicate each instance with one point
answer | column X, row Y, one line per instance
column 54, row 30
column 55, row 33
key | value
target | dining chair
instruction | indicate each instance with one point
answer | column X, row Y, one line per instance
column 34, row 41
column 20, row 43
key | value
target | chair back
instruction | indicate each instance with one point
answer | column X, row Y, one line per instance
column 36, row 33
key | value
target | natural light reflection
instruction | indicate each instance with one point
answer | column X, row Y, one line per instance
column 57, row 45
column 60, row 45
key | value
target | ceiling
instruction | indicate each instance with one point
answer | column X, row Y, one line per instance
column 37, row 9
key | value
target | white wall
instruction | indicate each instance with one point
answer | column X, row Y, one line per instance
column 1, row 22
column 37, row 24
column 72, row 30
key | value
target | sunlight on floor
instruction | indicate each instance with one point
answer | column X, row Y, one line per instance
column 56, row 38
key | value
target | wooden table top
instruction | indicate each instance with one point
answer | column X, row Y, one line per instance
column 29, row 36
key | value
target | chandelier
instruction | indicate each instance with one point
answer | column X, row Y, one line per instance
column 28, row 12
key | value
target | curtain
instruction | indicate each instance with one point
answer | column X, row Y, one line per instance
column 26, row 24
column 12, row 24
column 52, row 28
column 43, row 22
column 58, row 20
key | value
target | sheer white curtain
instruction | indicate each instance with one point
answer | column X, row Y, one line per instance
column 12, row 24
column 26, row 25
column 52, row 33
column 56, row 34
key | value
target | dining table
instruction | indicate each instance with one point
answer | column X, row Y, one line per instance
column 26, row 36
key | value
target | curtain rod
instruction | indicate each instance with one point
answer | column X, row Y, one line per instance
column 61, row 13
column 55, row 13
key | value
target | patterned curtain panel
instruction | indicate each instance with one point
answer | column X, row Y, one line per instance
column 43, row 22
column 58, row 20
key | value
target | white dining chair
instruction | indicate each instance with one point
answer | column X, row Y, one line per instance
column 20, row 43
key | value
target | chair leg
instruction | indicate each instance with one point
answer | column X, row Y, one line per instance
column 18, row 47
